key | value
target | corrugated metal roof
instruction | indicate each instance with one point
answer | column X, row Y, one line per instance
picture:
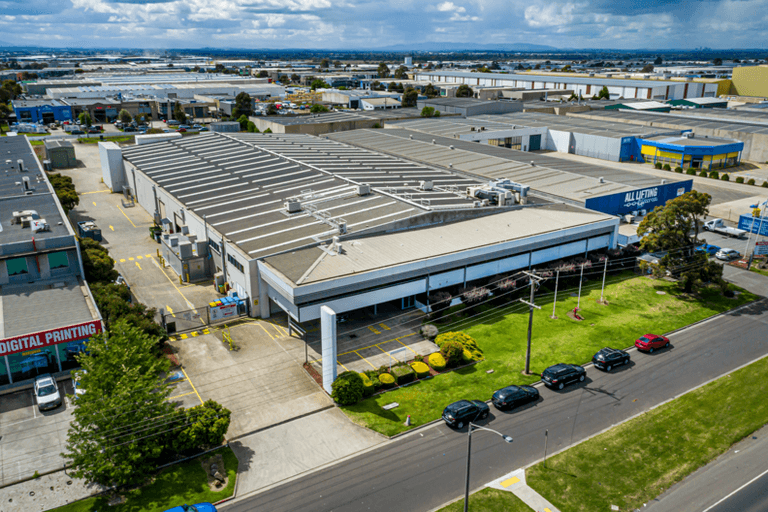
column 617, row 82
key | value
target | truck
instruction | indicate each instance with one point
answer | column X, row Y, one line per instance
column 718, row 226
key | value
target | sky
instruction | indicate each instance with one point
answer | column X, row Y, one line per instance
column 352, row 24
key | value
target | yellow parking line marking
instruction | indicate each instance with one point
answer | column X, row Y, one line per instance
column 94, row 203
column 384, row 327
column 148, row 256
column 510, row 481
column 265, row 330
column 193, row 333
column 403, row 344
column 96, row 192
column 345, row 368
column 130, row 259
column 121, row 211
column 373, row 330
column 174, row 284
column 139, row 257
column 546, row 509
column 193, row 386
column 110, row 227
column 183, row 336
column 122, row 260
column 179, row 396
column 364, row 359
column 170, row 310
column 137, row 264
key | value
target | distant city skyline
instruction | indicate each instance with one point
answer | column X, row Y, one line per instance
column 368, row 24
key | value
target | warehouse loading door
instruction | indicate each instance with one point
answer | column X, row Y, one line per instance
column 535, row 143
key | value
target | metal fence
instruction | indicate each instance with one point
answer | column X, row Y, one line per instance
column 193, row 319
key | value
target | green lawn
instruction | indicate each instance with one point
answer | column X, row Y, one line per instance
column 634, row 308
column 119, row 138
column 176, row 485
column 759, row 271
column 634, row 462
column 490, row 500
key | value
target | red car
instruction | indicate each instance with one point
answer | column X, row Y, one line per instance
column 650, row 342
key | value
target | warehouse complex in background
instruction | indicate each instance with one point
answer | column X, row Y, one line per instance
column 46, row 307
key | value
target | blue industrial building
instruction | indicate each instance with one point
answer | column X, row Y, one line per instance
column 41, row 111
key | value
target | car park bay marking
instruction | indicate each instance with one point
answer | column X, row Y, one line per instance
column 94, row 203
column 96, row 192
column 384, row 327
column 510, row 481
column 126, row 216
column 179, row 396
column 110, row 227
column 193, row 386
column 373, row 330
column 364, row 359
column 122, row 260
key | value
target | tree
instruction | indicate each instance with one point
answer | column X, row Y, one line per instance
column 84, row 118
column 271, row 110
column 5, row 113
column 410, row 96
column 295, row 78
column 318, row 84
column 243, row 120
column 401, row 72
column 718, row 61
column 125, row 116
column 97, row 263
column 603, row 94
column 674, row 228
column 206, row 426
column 123, row 423
column 439, row 302
column 324, row 63
column 658, row 61
column 347, row 389
column 648, row 68
column 429, row 112
column 243, row 105
column 262, row 74
column 375, row 85
column 431, row 91
column 284, row 79
column 383, row 70
column 251, row 127
column 65, row 191
column 179, row 114
column 392, row 87
column 464, row 91
column 316, row 108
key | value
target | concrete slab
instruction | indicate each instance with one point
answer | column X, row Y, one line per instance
column 288, row 450
column 732, row 210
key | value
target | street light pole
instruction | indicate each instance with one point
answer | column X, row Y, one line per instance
column 470, row 427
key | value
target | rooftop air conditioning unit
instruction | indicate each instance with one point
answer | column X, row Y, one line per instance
column 342, row 227
column 364, row 189
column 21, row 165
column 426, row 185
column 293, row 206
column 601, row 179
column 688, row 135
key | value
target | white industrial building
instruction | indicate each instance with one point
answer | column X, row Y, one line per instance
column 587, row 87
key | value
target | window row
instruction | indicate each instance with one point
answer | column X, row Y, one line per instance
column 18, row 266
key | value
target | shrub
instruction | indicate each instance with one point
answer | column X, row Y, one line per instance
column 421, row 369
column 657, row 165
column 348, row 388
column 691, row 171
column 429, row 331
column 437, row 361
column 703, row 174
column 739, row 179
column 751, row 181
column 667, row 167
column 368, row 387
column 404, row 374
column 387, row 380
column 451, row 351
column 466, row 341
column 679, row 169
column 466, row 356
column 714, row 175
column 725, row 177
column 765, row 184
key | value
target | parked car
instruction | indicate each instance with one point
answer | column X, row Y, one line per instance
column 204, row 129
column 130, row 129
column 558, row 375
column 709, row 249
column 172, row 122
column 726, row 254
column 462, row 412
column 185, row 126
column 200, row 507
column 607, row 358
column 93, row 129
column 46, row 392
column 181, row 130
column 77, row 132
column 650, row 342
column 512, row 396
column 196, row 126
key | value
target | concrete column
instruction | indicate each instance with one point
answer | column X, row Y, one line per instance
column 263, row 299
column 328, row 336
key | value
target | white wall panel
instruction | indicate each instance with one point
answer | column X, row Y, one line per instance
column 366, row 299
column 446, row 279
column 599, row 242
column 556, row 253
column 497, row 267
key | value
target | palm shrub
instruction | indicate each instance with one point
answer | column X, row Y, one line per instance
column 348, row 388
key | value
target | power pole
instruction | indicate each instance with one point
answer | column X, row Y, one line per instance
column 533, row 280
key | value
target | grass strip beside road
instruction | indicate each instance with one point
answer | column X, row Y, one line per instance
column 635, row 462
column 635, row 307
column 95, row 140
column 178, row 484
column 490, row 500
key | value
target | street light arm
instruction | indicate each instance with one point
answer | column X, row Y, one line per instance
column 472, row 426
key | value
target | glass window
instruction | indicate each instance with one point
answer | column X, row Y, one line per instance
column 17, row 266
column 3, row 372
column 69, row 351
column 30, row 364
column 58, row 260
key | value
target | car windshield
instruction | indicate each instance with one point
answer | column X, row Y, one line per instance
column 46, row 390
column 644, row 339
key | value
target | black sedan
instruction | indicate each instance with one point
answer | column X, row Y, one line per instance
column 608, row 357
column 512, row 396
column 558, row 375
column 462, row 412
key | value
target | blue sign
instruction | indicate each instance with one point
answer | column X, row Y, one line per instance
column 749, row 223
column 640, row 199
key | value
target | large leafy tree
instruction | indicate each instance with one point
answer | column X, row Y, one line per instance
column 464, row 91
column 674, row 229
column 84, row 118
column 243, row 105
column 383, row 70
column 179, row 114
column 65, row 191
column 97, row 263
column 123, row 423
column 410, row 96
column 125, row 116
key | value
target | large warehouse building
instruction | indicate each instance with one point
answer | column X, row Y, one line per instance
column 295, row 222
column 585, row 86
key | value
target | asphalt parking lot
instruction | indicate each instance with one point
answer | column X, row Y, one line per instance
column 32, row 440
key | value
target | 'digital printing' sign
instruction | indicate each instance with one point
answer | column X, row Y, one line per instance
column 40, row 339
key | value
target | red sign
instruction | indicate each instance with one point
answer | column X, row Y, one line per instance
column 10, row 346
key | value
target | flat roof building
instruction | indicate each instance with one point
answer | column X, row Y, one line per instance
column 469, row 106
column 47, row 310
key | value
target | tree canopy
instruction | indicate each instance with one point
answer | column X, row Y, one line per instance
column 383, row 70
column 316, row 108
column 410, row 96
column 65, row 191
column 179, row 114
column 243, row 105
column 317, row 83
column 464, row 91
column 430, row 112
column 125, row 116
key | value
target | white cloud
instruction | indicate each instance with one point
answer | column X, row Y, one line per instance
column 450, row 7
column 551, row 15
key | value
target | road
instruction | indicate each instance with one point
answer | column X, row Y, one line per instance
column 425, row 469
column 735, row 481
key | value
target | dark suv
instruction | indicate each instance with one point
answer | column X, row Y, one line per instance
column 557, row 376
column 607, row 358
column 462, row 412
column 512, row 396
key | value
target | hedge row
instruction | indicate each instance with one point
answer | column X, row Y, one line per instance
column 715, row 175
